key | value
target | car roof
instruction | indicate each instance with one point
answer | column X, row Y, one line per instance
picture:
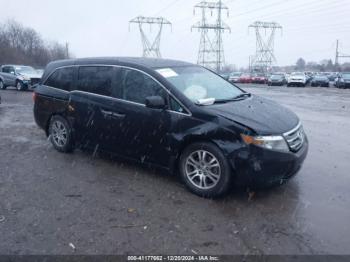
column 17, row 65
column 136, row 62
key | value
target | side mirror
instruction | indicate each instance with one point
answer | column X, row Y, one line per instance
column 155, row 102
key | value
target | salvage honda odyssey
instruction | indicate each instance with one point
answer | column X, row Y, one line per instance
column 170, row 114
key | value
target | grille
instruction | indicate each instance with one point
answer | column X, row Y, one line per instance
column 295, row 138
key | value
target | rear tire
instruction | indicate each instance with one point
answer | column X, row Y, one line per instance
column 60, row 134
column 205, row 170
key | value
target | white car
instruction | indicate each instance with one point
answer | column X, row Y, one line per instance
column 297, row 79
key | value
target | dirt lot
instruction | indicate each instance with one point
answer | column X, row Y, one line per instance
column 106, row 206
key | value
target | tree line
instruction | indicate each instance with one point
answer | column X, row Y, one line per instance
column 23, row 45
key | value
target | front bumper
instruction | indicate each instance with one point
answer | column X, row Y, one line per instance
column 296, row 82
column 259, row 167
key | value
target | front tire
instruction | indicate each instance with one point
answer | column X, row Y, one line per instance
column 205, row 170
column 2, row 85
column 20, row 86
column 60, row 134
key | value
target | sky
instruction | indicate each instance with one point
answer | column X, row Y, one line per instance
column 101, row 27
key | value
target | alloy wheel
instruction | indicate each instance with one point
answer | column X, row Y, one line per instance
column 59, row 133
column 203, row 169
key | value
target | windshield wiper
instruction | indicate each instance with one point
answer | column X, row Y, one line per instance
column 240, row 96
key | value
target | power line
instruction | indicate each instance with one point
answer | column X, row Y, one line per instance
column 167, row 7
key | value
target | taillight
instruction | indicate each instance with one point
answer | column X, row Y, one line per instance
column 34, row 96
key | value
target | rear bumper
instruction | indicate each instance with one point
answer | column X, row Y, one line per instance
column 258, row 167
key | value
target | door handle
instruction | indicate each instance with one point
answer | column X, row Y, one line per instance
column 106, row 113
column 112, row 114
column 118, row 115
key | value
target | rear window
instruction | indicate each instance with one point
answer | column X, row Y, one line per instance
column 62, row 79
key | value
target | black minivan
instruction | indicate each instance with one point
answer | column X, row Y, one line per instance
column 170, row 114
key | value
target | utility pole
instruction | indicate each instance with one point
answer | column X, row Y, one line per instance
column 264, row 54
column 336, row 61
column 150, row 46
column 67, row 50
column 338, row 54
column 211, row 51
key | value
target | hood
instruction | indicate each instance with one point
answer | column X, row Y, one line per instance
column 297, row 77
column 32, row 75
column 264, row 116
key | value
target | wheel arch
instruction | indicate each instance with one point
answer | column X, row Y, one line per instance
column 174, row 165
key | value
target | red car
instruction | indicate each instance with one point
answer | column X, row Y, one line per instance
column 259, row 79
column 245, row 79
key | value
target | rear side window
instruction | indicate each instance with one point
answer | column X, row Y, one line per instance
column 62, row 79
column 96, row 79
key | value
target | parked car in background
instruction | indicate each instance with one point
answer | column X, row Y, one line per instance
column 343, row 80
column 320, row 80
column 297, row 79
column 20, row 76
column 245, row 79
column 234, row 77
column 259, row 78
column 277, row 80
column 40, row 72
column 333, row 76
column 174, row 115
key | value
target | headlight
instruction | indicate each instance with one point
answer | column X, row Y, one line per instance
column 270, row 142
column 24, row 78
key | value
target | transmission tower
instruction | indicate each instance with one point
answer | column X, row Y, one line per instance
column 150, row 45
column 211, row 50
column 265, row 38
column 338, row 54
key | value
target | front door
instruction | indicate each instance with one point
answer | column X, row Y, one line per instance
column 142, row 133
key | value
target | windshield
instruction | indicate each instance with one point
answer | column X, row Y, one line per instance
column 276, row 76
column 298, row 74
column 346, row 76
column 198, row 83
column 321, row 78
column 236, row 74
column 25, row 70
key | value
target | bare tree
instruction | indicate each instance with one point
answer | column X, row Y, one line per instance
column 23, row 45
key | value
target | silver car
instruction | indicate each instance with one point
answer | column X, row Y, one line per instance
column 20, row 76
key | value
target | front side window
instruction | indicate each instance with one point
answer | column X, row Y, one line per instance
column 96, row 79
column 198, row 83
column 175, row 106
column 62, row 79
column 136, row 86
